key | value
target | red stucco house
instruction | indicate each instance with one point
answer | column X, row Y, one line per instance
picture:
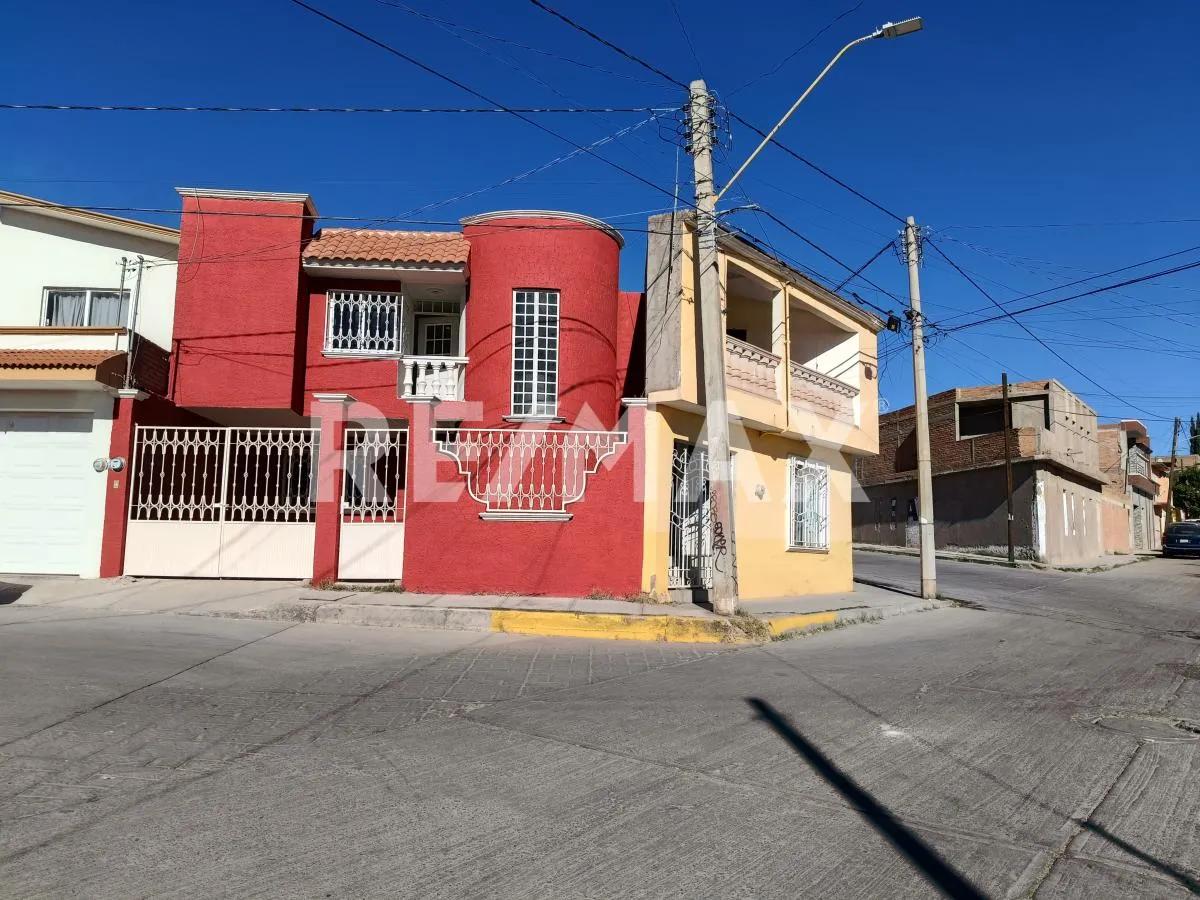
column 444, row 408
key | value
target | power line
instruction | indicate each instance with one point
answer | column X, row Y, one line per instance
column 525, row 110
column 787, row 59
column 1028, row 331
column 470, row 90
column 1108, row 287
column 853, row 272
column 858, row 272
column 1058, row 287
column 1079, row 224
column 675, row 81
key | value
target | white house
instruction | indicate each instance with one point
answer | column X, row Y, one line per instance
column 67, row 325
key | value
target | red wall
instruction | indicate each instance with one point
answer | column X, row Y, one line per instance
column 449, row 549
column 239, row 323
column 581, row 263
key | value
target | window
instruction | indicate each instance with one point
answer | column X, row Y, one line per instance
column 85, row 308
column 535, row 353
column 980, row 418
column 808, row 504
column 363, row 323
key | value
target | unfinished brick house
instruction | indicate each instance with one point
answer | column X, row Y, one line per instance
column 1057, row 483
column 1130, row 521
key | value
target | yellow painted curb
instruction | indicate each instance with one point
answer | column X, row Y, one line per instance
column 615, row 626
column 807, row 620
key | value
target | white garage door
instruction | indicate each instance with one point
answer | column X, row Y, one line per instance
column 45, row 481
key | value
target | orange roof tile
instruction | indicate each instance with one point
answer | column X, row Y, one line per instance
column 372, row 245
column 54, row 359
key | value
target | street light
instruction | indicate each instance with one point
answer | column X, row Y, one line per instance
column 723, row 593
column 887, row 30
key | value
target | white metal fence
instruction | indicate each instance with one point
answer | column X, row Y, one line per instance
column 364, row 322
column 224, row 474
column 527, row 473
column 375, row 474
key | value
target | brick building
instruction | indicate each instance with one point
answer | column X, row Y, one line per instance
column 1057, row 483
column 1131, row 523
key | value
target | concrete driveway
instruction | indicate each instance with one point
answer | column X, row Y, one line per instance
column 949, row 752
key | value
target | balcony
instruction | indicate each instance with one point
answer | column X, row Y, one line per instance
column 810, row 391
column 440, row 377
column 751, row 369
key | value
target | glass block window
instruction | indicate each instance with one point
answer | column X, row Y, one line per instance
column 535, row 353
column 808, row 504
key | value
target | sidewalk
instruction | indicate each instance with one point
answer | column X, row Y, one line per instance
column 591, row 617
column 1099, row 564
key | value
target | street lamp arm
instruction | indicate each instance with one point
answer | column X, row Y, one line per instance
column 888, row 30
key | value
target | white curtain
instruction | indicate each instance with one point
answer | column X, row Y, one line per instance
column 109, row 309
column 66, row 309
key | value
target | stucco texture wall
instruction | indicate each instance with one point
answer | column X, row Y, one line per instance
column 766, row 568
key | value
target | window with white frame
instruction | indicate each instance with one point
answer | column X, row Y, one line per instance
column 363, row 323
column 85, row 308
column 535, row 353
column 808, row 504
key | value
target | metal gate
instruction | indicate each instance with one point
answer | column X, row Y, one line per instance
column 222, row 502
column 373, row 492
column 689, row 563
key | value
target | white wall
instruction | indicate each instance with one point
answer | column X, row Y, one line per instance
column 39, row 251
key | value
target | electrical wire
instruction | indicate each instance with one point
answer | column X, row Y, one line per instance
column 787, row 59
column 524, row 110
column 470, row 90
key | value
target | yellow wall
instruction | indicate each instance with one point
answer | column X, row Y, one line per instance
column 766, row 568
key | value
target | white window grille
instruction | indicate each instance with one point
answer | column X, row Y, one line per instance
column 375, row 475
column 808, row 504
column 224, row 474
column 85, row 308
column 690, row 544
column 363, row 323
column 524, row 473
column 535, row 353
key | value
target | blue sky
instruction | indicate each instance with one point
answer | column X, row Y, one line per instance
column 997, row 114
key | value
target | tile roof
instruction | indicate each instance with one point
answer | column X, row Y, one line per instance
column 54, row 359
column 375, row 246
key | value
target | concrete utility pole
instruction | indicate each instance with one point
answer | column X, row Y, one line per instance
column 133, row 311
column 912, row 249
column 724, row 591
column 1012, row 553
column 1171, row 472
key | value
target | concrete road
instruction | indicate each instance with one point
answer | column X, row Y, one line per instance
column 950, row 752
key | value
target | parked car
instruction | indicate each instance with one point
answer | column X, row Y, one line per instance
column 1181, row 537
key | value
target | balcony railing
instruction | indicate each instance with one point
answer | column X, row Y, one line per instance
column 1139, row 462
column 432, row 376
column 751, row 368
column 826, row 396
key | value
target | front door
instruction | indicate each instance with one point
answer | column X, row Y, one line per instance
column 690, row 527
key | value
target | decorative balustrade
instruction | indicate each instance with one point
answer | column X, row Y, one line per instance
column 527, row 473
column 826, row 396
column 432, row 376
column 752, row 369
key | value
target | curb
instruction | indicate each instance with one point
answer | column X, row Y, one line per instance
column 544, row 623
column 1027, row 564
column 808, row 622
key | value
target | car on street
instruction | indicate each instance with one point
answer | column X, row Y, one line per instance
column 1181, row 537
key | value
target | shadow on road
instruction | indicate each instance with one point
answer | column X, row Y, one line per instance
column 9, row 592
column 907, row 843
column 1170, row 871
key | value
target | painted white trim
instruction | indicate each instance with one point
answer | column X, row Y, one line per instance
column 333, row 398
column 228, row 194
column 354, row 265
column 598, row 224
column 526, row 517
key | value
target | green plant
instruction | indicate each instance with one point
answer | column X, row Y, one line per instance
column 1187, row 492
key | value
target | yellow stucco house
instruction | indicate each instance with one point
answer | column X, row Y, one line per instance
column 800, row 368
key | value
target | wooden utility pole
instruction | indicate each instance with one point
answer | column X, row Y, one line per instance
column 912, row 248
column 1012, row 554
column 1171, row 473
column 723, row 595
